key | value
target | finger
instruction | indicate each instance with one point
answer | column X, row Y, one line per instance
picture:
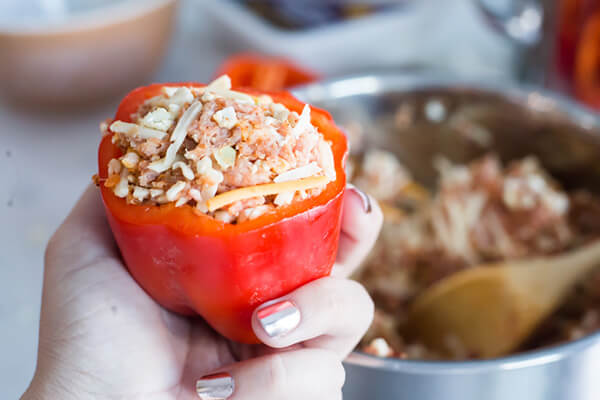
column 83, row 236
column 361, row 223
column 329, row 313
column 295, row 375
column 243, row 351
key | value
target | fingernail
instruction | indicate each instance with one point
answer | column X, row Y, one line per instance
column 364, row 198
column 278, row 318
column 215, row 387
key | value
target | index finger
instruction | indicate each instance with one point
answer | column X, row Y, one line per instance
column 328, row 313
column 361, row 223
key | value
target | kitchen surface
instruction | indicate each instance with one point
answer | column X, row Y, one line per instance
column 48, row 154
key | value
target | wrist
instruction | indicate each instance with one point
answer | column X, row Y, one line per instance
column 45, row 388
column 42, row 392
column 29, row 395
column 32, row 394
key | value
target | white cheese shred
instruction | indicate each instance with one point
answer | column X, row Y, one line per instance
column 303, row 121
column 177, row 137
column 175, row 190
column 185, row 170
column 135, row 130
column 311, row 169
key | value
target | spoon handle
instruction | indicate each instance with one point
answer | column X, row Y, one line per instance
column 557, row 276
column 582, row 260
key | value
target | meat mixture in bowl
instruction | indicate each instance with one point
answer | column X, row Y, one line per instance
column 479, row 213
column 225, row 153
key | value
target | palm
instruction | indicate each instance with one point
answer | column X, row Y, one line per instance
column 97, row 311
column 113, row 315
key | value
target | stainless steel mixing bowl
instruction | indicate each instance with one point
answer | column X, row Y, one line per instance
column 448, row 117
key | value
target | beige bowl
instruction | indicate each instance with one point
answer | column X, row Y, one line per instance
column 87, row 57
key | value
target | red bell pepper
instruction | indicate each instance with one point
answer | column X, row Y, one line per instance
column 265, row 73
column 193, row 264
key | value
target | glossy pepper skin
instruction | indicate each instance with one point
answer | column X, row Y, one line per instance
column 192, row 264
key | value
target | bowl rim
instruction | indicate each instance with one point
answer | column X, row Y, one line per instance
column 413, row 79
column 535, row 98
column 87, row 20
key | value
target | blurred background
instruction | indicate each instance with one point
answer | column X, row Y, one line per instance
column 64, row 64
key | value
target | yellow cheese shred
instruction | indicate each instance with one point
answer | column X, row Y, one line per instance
column 266, row 189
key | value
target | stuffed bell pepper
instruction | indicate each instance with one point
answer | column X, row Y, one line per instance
column 221, row 199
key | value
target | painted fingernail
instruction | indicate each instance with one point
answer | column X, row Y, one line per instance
column 215, row 387
column 278, row 318
column 364, row 198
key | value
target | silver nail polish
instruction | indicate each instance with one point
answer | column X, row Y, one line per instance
column 278, row 318
column 215, row 387
column 366, row 201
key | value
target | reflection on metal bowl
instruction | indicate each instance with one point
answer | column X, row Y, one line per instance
column 522, row 121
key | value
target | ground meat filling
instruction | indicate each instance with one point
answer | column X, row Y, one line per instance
column 229, row 155
column 478, row 213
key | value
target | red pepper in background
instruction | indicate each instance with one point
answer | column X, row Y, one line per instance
column 194, row 264
column 578, row 48
column 265, row 73
column 569, row 16
column 587, row 63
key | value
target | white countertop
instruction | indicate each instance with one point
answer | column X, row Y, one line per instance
column 46, row 160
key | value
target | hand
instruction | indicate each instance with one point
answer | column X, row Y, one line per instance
column 103, row 337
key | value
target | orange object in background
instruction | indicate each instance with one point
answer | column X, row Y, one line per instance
column 587, row 63
column 579, row 48
column 265, row 73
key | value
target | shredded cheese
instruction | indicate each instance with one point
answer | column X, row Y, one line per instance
column 204, row 165
column 279, row 111
column 284, row 198
column 222, row 87
column 122, row 188
column 226, row 118
column 182, row 96
column 311, row 169
column 237, row 96
column 130, row 160
column 326, row 160
column 252, row 213
column 177, row 137
column 185, row 170
column 225, row 157
column 264, row 100
column 266, row 189
column 169, row 118
column 195, row 194
column 170, row 90
column 159, row 119
column 174, row 190
column 156, row 192
column 174, row 110
column 223, row 216
column 303, row 121
column 181, row 201
column 213, row 179
column 114, row 166
column 136, row 130
column 140, row 193
column 220, row 84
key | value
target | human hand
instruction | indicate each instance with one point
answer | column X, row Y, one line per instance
column 103, row 337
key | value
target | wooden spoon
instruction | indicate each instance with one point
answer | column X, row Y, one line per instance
column 492, row 309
